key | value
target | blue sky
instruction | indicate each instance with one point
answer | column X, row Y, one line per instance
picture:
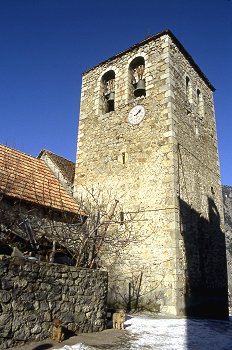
column 45, row 45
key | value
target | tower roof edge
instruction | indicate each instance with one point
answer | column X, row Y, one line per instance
column 155, row 37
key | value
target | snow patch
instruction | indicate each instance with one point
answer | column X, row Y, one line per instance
column 175, row 334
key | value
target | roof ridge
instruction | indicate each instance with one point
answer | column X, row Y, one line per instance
column 57, row 155
column 18, row 151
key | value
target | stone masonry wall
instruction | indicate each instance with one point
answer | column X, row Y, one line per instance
column 32, row 294
column 62, row 227
column 201, row 247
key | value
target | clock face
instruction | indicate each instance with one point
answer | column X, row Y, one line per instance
column 136, row 115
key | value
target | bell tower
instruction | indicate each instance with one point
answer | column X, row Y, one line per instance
column 147, row 135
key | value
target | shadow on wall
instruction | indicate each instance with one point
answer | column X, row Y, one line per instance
column 206, row 289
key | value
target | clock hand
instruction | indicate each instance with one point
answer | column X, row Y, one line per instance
column 138, row 112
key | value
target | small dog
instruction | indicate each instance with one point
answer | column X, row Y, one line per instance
column 57, row 331
column 118, row 319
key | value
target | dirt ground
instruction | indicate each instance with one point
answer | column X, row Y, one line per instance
column 107, row 337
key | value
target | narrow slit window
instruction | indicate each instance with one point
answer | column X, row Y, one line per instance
column 121, row 218
column 200, row 104
column 123, row 157
column 188, row 89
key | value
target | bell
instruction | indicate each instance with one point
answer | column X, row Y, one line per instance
column 110, row 96
column 110, row 101
column 140, row 88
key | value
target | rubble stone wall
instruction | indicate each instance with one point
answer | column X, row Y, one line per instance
column 33, row 293
column 46, row 224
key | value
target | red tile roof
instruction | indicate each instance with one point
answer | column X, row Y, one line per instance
column 28, row 178
column 66, row 167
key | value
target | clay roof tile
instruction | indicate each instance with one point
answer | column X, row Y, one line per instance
column 28, row 178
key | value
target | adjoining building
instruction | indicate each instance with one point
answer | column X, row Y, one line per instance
column 147, row 135
column 38, row 216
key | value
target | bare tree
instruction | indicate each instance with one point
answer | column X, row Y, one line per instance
column 94, row 239
column 102, row 227
column 85, row 236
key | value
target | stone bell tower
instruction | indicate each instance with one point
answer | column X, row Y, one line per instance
column 147, row 135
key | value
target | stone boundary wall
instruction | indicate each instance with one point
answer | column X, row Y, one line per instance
column 33, row 293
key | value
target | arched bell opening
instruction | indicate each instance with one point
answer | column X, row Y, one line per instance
column 108, row 82
column 200, row 104
column 138, row 84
